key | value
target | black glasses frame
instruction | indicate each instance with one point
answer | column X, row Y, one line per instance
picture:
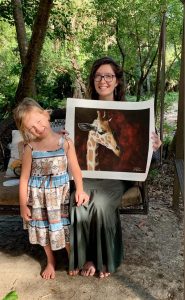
column 106, row 77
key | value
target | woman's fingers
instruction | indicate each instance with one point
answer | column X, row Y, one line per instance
column 156, row 141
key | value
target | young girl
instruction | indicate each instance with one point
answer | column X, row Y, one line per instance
column 44, row 182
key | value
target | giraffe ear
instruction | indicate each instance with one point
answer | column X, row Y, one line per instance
column 86, row 126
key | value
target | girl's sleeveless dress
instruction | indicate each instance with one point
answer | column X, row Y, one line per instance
column 48, row 198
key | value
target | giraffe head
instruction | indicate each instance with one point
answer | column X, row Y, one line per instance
column 105, row 134
column 101, row 133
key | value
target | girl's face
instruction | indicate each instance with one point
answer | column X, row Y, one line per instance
column 37, row 123
column 105, row 82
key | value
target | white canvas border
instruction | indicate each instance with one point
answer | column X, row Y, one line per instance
column 72, row 103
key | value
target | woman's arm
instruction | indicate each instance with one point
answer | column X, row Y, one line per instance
column 23, row 185
column 74, row 168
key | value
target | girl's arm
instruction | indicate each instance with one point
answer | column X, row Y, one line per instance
column 23, row 185
column 74, row 168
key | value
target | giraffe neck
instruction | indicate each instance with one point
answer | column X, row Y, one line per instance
column 91, row 156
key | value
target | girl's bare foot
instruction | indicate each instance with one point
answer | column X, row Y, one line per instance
column 74, row 272
column 49, row 272
column 88, row 269
column 104, row 273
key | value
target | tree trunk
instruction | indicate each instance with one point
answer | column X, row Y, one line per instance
column 144, row 75
column 148, row 84
column 139, row 89
column 79, row 89
column 179, row 149
column 20, row 29
column 122, row 52
column 21, row 34
column 162, row 81
column 157, row 84
column 34, row 50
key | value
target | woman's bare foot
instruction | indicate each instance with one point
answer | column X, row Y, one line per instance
column 49, row 272
column 88, row 269
column 74, row 272
column 104, row 273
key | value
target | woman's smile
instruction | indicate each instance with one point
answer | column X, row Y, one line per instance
column 105, row 82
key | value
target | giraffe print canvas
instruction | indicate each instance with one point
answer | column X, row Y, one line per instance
column 111, row 142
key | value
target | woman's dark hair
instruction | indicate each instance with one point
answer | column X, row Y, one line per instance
column 119, row 90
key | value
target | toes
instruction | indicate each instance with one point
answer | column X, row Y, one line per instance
column 48, row 276
column 52, row 276
column 45, row 276
column 104, row 274
column 84, row 273
column 92, row 271
column 73, row 273
column 48, row 273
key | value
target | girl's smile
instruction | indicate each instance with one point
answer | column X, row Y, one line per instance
column 36, row 123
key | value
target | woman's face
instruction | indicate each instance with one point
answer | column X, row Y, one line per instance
column 105, row 82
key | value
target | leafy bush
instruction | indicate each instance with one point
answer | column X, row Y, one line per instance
column 11, row 296
column 170, row 99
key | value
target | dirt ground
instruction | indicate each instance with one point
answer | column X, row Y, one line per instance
column 152, row 268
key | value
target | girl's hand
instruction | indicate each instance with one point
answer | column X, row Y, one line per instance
column 156, row 142
column 25, row 212
column 64, row 132
column 81, row 198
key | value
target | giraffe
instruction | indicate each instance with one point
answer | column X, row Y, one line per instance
column 99, row 133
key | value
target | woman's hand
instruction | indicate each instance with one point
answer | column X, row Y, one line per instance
column 81, row 198
column 156, row 142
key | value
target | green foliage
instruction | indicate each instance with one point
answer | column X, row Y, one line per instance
column 130, row 98
column 11, row 296
column 60, row 20
column 9, row 67
column 153, row 173
column 54, row 76
column 169, row 127
column 170, row 99
column 29, row 10
column 82, row 31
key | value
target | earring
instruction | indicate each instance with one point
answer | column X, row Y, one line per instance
column 115, row 92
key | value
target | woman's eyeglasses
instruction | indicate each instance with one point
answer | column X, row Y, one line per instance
column 106, row 77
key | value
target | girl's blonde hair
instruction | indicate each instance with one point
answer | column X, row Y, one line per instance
column 19, row 113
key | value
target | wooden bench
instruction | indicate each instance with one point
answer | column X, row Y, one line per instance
column 134, row 201
column 9, row 197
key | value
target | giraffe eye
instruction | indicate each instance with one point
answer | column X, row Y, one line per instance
column 102, row 132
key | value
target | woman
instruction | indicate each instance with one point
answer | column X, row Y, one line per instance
column 96, row 236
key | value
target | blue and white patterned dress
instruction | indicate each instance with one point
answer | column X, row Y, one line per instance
column 48, row 198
